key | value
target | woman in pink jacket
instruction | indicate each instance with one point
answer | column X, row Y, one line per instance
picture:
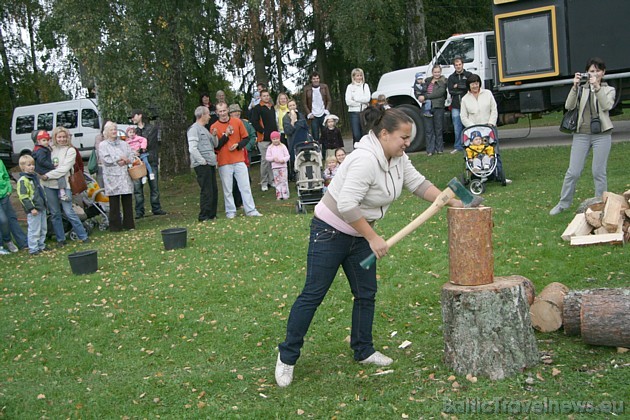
column 278, row 156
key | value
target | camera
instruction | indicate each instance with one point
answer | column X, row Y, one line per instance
column 585, row 77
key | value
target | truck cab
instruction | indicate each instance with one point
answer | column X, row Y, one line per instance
column 478, row 54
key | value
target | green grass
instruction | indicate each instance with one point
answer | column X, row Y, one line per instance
column 193, row 333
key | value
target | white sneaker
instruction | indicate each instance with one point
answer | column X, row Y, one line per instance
column 284, row 373
column 11, row 246
column 151, row 177
column 254, row 214
column 264, row 188
column 4, row 251
column 144, row 179
column 557, row 210
column 230, row 215
column 378, row 359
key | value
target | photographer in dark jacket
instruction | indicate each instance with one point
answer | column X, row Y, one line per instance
column 457, row 88
column 150, row 132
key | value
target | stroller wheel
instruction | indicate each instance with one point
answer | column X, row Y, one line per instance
column 298, row 208
column 477, row 187
column 464, row 178
column 73, row 236
column 103, row 227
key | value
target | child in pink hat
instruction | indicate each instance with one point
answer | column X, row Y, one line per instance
column 278, row 155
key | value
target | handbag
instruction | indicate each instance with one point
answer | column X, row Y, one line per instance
column 570, row 118
column 137, row 170
column 77, row 182
column 93, row 163
column 596, row 124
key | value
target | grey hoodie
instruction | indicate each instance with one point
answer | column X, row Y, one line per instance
column 366, row 183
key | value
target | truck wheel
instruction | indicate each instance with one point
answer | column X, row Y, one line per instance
column 418, row 142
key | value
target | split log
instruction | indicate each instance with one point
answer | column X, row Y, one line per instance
column 627, row 211
column 626, row 195
column 615, row 205
column 594, row 218
column 605, row 320
column 578, row 227
column 611, row 238
column 487, row 329
column 546, row 312
column 470, row 257
column 572, row 306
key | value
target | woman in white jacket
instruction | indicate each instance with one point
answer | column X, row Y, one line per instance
column 357, row 99
column 342, row 233
column 63, row 156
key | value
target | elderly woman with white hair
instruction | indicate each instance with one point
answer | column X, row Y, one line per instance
column 357, row 98
column 115, row 156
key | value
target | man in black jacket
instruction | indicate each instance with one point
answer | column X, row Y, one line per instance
column 265, row 122
column 457, row 89
column 150, row 132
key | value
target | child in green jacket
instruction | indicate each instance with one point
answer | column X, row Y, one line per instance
column 33, row 198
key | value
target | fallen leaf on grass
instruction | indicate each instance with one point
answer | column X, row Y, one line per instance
column 555, row 372
column 540, row 378
column 300, row 412
column 404, row 344
column 41, row 397
column 471, row 378
column 385, row 372
column 451, row 378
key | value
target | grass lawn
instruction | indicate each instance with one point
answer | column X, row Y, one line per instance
column 192, row 333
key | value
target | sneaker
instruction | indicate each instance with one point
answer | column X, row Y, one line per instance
column 159, row 213
column 86, row 241
column 11, row 246
column 284, row 373
column 230, row 215
column 4, row 251
column 429, row 154
column 152, row 177
column 254, row 214
column 61, row 244
column 454, row 151
column 264, row 188
column 378, row 359
column 144, row 179
column 35, row 253
column 556, row 210
column 139, row 216
column 508, row 181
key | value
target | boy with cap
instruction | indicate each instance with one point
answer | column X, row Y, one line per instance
column 33, row 198
column 419, row 89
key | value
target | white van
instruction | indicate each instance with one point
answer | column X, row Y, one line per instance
column 80, row 116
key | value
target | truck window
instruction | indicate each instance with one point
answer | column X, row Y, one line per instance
column 45, row 121
column 464, row 48
column 25, row 124
column 89, row 118
column 491, row 47
column 67, row 119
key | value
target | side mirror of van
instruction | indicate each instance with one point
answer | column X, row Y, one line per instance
column 97, row 124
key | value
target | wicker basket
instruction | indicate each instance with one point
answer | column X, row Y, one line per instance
column 138, row 170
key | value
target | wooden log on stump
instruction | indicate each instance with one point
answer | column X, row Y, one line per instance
column 487, row 329
column 605, row 320
column 470, row 257
column 572, row 306
column 546, row 311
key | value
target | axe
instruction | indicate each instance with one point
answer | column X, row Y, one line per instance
column 455, row 188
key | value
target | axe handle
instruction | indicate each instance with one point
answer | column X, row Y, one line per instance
column 439, row 202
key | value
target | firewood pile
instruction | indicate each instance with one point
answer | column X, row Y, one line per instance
column 599, row 316
column 607, row 221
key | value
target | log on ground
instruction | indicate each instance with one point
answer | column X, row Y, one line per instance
column 572, row 306
column 546, row 311
column 487, row 329
column 605, row 320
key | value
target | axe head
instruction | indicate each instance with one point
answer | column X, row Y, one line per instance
column 463, row 194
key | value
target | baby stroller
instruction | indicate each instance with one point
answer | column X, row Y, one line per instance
column 309, row 180
column 95, row 205
column 483, row 161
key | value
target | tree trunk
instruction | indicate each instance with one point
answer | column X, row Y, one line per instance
column 277, row 52
column 572, row 306
column 319, row 34
column 487, row 329
column 416, row 35
column 546, row 312
column 6, row 69
column 605, row 320
column 31, row 36
column 260, row 69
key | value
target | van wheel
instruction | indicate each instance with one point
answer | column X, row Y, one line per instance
column 418, row 142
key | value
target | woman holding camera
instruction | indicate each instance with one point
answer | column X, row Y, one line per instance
column 594, row 130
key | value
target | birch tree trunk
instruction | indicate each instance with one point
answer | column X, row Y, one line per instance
column 417, row 36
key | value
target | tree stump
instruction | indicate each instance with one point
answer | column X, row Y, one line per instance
column 572, row 306
column 470, row 257
column 605, row 320
column 487, row 329
column 546, row 311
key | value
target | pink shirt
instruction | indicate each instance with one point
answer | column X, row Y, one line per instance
column 279, row 152
column 137, row 143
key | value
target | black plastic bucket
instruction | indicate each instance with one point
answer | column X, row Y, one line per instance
column 174, row 238
column 84, row 262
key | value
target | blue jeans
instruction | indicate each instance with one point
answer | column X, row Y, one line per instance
column 328, row 249
column 458, row 127
column 355, row 124
column 9, row 224
column 37, row 229
column 238, row 171
column 582, row 143
column 138, row 193
column 55, row 207
column 316, row 126
column 144, row 157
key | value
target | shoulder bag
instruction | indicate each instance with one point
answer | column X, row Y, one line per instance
column 596, row 124
column 570, row 119
column 77, row 182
